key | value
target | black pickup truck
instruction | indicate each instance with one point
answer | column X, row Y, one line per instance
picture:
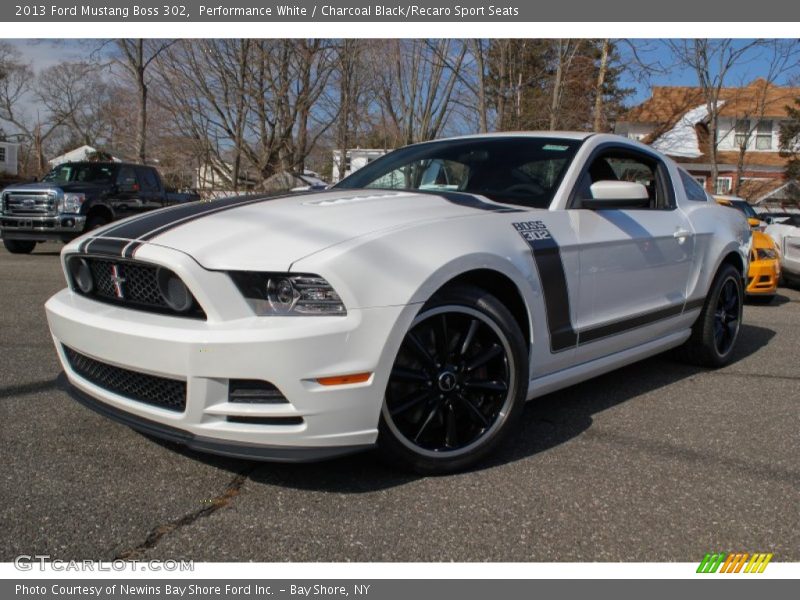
column 76, row 197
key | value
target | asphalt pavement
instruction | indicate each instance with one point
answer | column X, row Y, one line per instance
column 658, row 461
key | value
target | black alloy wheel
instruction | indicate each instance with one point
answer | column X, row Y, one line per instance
column 457, row 383
column 727, row 317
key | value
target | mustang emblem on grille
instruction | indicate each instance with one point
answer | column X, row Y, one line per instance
column 117, row 279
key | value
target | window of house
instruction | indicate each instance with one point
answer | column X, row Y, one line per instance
column 724, row 185
column 2, row 154
column 701, row 179
column 742, row 132
column 764, row 135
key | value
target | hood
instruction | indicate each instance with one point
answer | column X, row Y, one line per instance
column 263, row 234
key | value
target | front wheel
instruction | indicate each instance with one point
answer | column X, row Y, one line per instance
column 716, row 330
column 19, row 246
column 457, row 386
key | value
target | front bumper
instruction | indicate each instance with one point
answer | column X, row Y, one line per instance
column 763, row 277
column 21, row 227
column 289, row 352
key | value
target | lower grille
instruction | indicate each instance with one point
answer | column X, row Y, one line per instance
column 157, row 391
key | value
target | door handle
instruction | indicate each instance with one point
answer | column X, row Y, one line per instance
column 682, row 233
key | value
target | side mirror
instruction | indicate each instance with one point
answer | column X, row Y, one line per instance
column 617, row 194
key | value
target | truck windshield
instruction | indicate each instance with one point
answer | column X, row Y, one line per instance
column 83, row 172
column 517, row 170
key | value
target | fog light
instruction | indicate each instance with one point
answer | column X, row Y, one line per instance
column 81, row 275
column 174, row 291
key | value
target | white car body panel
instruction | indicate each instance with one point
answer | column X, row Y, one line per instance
column 788, row 239
column 386, row 254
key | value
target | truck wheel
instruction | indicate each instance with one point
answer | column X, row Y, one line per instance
column 95, row 222
column 19, row 246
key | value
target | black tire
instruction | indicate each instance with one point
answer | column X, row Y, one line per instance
column 94, row 222
column 19, row 246
column 716, row 330
column 458, row 384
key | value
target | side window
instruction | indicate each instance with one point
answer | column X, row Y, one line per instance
column 694, row 190
column 625, row 165
column 127, row 179
column 148, row 180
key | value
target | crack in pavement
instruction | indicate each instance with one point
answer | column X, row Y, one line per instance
column 754, row 375
column 221, row 501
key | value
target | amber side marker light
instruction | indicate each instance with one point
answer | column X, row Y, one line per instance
column 344, row 379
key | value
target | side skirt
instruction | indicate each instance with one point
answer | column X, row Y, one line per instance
column 567, row 377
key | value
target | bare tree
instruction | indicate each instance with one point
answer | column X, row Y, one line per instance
column 712, row 61
column 597, row 120
column 566, row 51
column 137, row 56
column 751, row 102
column 416, row 80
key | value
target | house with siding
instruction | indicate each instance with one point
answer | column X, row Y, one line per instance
column 675, row 121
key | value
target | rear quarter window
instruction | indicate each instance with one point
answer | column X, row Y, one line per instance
column 694, row 191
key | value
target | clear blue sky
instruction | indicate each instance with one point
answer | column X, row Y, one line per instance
column 656, row 51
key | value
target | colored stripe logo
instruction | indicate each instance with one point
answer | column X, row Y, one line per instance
column 735, row 562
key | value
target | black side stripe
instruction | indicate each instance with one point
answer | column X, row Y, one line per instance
column 547, row 257
column 598, row 332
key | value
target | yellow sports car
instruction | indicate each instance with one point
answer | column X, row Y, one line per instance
column 765, row 266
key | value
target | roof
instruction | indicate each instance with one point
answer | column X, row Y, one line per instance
column 668, row 103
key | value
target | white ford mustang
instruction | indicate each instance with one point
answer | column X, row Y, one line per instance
column 416, row 305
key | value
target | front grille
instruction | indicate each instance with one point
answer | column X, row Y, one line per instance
column 131, row 284
column 157, row 391
column 29, row 203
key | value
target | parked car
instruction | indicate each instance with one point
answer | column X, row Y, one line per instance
column 765, row 265
column 416, row 305
column 785, row 229
column 77, row 197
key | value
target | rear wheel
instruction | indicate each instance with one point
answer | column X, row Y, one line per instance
column 457, row 386
column 716, row 330
column 19, row 246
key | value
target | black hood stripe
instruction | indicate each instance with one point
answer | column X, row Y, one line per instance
column 135, row 231
column 471, row 201
column 107, row 246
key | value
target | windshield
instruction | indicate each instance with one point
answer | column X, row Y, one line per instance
column 516, row 170
column 80, row 172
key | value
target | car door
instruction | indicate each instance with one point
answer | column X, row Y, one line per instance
column 634, row 263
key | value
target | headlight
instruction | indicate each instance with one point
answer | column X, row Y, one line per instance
column 71, row 203
column 766, row 254
column 288, row 294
